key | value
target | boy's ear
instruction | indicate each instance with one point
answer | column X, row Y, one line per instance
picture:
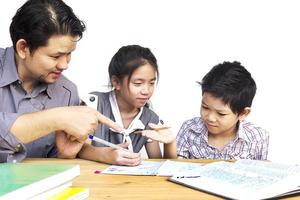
column 244, row 114
column 22, row 48
column 115, row 82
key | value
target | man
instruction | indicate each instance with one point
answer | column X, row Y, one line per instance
column 39, row 112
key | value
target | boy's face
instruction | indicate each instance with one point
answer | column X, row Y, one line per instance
column 140, row 88
column 218, row 117
column 48, row 62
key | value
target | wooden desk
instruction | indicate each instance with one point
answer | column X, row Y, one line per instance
column 105, row 186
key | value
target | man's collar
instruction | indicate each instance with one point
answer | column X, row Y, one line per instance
column 50, row 88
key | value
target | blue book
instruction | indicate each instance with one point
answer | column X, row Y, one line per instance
column 27, row 180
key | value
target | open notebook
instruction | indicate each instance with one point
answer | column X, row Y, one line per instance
column 243, row 179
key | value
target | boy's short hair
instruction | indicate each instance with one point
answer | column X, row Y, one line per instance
column 231, row 82
column 37, row 20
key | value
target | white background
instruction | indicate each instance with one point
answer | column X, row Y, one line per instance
column 189, row 37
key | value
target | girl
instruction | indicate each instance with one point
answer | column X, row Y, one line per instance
column 133, row 73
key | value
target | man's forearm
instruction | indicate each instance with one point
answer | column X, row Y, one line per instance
column 32, row 126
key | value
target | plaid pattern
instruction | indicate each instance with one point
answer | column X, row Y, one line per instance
column 251, row 142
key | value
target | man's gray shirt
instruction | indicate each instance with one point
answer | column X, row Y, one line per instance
column 14, row 101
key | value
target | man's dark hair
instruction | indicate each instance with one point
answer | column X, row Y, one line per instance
column 231, row 82
column 37, row 20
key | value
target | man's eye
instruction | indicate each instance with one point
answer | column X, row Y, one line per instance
column 55, row 57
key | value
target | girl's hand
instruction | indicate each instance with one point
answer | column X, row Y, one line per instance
column 120, row 157
column 159, row 133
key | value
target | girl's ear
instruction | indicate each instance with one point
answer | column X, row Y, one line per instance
column 115, row 82
column 22, row 48
column 244, row 114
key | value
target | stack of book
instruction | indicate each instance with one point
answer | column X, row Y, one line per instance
column 38, row 181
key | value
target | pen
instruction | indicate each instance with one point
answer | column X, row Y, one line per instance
column 188, row 176
column 154, row 129
column 96, row 139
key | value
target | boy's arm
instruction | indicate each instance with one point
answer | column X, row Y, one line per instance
column 109, row 155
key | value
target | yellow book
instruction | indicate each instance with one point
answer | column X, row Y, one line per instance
column 71, row 193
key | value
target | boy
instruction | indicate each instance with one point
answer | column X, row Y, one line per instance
column 221, row 132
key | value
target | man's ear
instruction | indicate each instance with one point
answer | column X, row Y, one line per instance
column 22, row 48
column 244, row 114
column 115, row 82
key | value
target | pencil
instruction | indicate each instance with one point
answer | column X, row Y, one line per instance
column 161, row 128
column 96, row 139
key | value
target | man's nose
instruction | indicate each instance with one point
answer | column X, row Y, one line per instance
column 63, row 63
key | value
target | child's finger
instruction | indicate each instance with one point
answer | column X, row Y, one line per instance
column 153, row 126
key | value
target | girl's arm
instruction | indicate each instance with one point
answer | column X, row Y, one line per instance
column 170, row 150
column 153, row 150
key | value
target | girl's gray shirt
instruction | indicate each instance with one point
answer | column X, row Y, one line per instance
column 103, row 132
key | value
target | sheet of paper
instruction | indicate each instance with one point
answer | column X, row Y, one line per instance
column 166, row 168
column 147, row 168
column 170, row 168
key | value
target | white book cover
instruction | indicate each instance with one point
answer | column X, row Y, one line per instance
column 244, row 179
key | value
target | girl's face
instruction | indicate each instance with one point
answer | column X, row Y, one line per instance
column 218, row 117
column 140, row 88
